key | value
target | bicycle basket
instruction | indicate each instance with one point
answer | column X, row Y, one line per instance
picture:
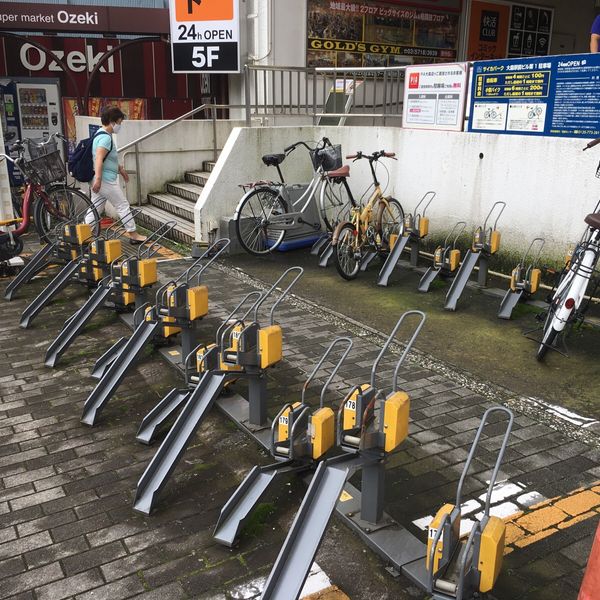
column 36, row 149
column 329, row 158
column 47, row 168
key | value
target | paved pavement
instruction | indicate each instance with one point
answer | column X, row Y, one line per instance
column 66, row 524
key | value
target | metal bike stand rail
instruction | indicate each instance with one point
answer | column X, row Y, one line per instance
column 326, row 255
column 456, row 570
column 37, row 263
column 525, row 280
column 177, row 397
column 300, row 450
column 108, row 287
column 446, row 258
column 414, row 229
column 365, row 449
column 205, row 394
column 148, row 326
column 480, row 252
column 45, row 256
column 76, row 236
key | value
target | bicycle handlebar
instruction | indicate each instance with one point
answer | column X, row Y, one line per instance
column 325, row 141
column 372, row 157
column 592, row 144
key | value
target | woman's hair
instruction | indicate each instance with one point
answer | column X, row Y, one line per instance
column 111, row 115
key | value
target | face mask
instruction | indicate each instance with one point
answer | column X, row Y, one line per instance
column 116, row 127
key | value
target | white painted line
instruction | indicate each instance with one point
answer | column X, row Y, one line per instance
column 316, row 581
column 563, row 413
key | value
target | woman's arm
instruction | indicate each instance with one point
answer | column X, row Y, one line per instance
column 98, row 164
column 594, row 42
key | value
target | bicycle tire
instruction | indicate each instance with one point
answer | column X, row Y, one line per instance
column 547, row 341
column 343, row 254
column 67, row 203
column 389, row 222
column 335, row 202
column 252, row 221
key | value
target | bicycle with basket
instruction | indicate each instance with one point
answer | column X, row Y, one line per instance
column 271, row 209
column 46, row 199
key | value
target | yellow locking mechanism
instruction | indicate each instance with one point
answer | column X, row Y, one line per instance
column 299, row 431
column 484, row 546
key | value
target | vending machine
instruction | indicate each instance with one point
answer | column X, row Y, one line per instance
column 30, row 108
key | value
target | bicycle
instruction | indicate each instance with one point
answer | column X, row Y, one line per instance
column 270, row 209
column 565, row 303
column 46, row 199
column 371, row 228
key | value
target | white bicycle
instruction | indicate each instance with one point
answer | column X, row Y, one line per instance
column 565, row 306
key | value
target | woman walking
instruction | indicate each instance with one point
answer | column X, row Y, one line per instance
column 105, row 185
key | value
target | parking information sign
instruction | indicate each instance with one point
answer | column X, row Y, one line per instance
column 205, row 36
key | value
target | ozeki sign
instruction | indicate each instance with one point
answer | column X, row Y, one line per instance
column 205, row 36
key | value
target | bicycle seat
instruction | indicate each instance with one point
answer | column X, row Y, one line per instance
column 593, row 220
column 341, row 172
column 272, row 160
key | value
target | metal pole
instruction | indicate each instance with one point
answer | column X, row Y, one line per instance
column 138, row 175
column 247, row 94
column 214, row 120
column 372, row 492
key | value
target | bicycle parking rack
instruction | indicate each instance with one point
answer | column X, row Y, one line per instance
column 416, row 227
column 462, row 569
column 243, row 351
column 50, row 253
column 486, row 242
column 524, row 280
column 446, row 258
column 370, row 425
column 179, row 308
column 300, row 437
column 128, row 283
column 71, row 249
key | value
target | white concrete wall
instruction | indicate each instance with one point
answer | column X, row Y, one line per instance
column 168, row 155
column 547, row 183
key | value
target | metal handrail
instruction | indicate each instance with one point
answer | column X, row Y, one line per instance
column 135, row 143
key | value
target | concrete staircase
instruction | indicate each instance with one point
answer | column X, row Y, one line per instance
column 176, row 203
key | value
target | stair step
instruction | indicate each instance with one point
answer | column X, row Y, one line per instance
column 189, row 191
column 173, row 204
column 197, row 177
column 208, row 165
column 153, row 217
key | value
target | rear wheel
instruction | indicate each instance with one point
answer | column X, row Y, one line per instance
column 547, row 341
column 59, row 204
column 253, row 227
column 345, row 257
column 335, row 202
column 390, row 220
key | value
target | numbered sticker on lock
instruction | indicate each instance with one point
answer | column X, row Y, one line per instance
column 205, row 36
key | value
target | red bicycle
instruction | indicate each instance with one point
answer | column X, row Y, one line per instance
column 46, row 199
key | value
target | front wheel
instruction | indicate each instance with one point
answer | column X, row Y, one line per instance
column 60, row 204
column 345, row 255
column 547, row 341
column 335, row 202
column 390, row 220
column 253, row 227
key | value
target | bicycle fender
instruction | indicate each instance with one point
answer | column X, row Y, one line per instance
column 337, row 230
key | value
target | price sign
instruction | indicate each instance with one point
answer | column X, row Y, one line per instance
column 205, row 36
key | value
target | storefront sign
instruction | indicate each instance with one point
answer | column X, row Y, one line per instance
column 498, row 30
column 434, row 97
column 95, row 19
column 378, row 34
column 205, row 36
column 553, row 96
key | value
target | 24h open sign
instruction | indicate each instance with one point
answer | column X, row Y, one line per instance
column 205, row 36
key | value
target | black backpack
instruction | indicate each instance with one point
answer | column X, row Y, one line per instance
column 81, row 163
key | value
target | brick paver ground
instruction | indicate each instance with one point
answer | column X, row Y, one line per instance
column 66, row 524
